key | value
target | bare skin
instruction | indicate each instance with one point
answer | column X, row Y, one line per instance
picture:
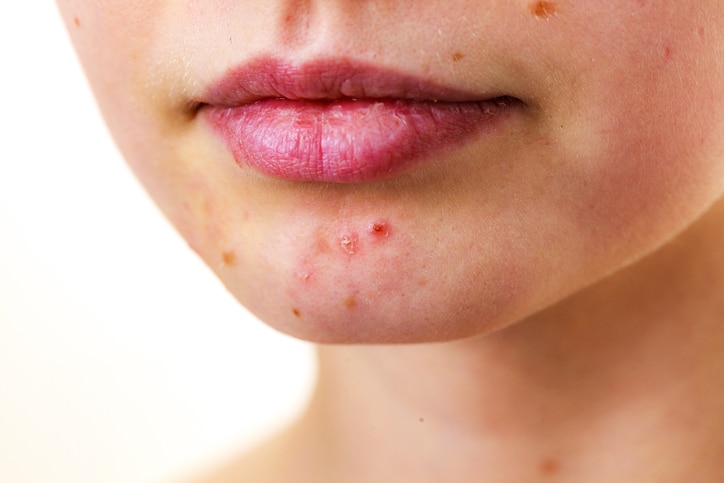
column 539, row 304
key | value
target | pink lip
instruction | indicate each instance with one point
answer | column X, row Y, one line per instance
column 337, row 121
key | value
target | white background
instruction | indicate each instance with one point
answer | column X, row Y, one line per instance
column 122, row 359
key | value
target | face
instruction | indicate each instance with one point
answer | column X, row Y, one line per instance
column 389, row 171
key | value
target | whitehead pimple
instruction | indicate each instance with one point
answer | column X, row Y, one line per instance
column 349, row 242
column 378, row 230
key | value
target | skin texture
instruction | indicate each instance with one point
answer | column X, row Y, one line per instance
column 588, row 229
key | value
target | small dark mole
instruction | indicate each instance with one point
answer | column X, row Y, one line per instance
column 76, row 21
column 296, row 312
column 422, row 420
column 543, row 9
column 228, row 258
column 550, row 467
column 457, row 56
column 350, row 302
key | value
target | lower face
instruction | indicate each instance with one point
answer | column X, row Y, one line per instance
column 616, row 143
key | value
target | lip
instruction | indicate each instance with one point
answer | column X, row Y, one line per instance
column 340, row 121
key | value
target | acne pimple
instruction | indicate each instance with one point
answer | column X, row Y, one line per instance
column 550, row 467
column 296, row 312
column 543, row 9
column 76, row 21
column 457, row 56
column 379, row 229
column 349, row 242
column 668, row 52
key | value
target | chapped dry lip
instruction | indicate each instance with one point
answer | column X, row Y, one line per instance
column 341, row 121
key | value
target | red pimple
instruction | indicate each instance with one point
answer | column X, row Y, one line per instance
column 668, row 52
column 550, row 467
column 76, row 21
column 296, row 312
column 379, row 229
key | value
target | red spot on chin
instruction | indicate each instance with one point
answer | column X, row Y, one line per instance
column 550, row 467
column 296, row 312
column 543, row 9
column 379, row 229
column 349, row 243
column 668, row 52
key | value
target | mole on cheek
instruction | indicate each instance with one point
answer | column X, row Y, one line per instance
column 543, row 9
column 76, row 21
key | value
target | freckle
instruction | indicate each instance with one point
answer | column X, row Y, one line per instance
column 379, row 229
column 296, row 312
column 76, row 21
column 550, row 467
column 543, row 9
column 457, row 56
column 422, row 420
column 350, row 302
column 228, row 258
column 349, row 243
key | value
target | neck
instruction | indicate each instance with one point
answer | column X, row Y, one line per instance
column 621, row 382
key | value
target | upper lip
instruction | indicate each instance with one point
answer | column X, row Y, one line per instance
column 326, row 80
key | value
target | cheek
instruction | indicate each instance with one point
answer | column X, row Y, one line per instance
column 646, row 140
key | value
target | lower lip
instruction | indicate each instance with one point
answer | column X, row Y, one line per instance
column 348, row 141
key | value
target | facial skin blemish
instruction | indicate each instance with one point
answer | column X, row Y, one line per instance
column 550, row 467
column 543, row 9
column 228, row 258
column 350, row 302
column 296, row 312
column 349, row 243
column 457, row 56
column 668, row 52
column 76, row 21
column 379, row 229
